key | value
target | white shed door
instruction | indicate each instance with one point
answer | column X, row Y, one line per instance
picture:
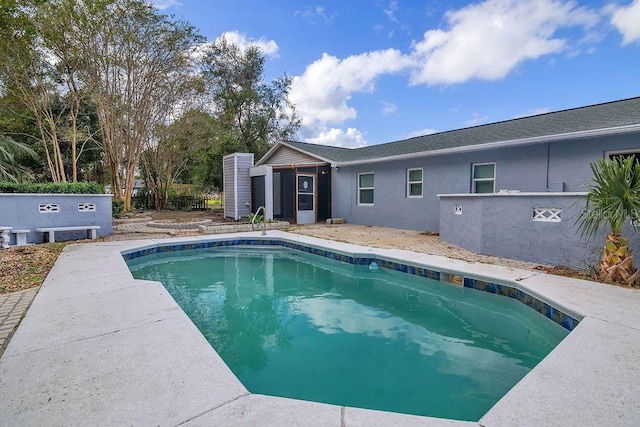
column 306, row 195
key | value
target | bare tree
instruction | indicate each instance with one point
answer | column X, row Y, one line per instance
column 131, row 60
column 54, row 26
column 30, row 76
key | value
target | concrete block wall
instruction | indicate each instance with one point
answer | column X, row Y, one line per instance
column 31, row 211
column 503, row 225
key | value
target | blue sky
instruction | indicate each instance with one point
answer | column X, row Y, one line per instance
column 368, row 72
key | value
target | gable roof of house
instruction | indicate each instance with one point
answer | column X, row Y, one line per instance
column 600, row 119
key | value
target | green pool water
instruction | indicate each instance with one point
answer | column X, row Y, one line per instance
column 296, row 325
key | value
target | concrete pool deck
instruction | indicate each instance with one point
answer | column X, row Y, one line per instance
column 98, row 347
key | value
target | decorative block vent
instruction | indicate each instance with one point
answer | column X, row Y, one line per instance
column 457, row 209
column 48, row 208
column 86, row 207
column 547, row 214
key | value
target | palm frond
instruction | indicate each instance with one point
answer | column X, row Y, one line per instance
column 10, row 169
column 614, row 196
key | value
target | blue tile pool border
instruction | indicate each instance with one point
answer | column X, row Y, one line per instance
column 559, row 317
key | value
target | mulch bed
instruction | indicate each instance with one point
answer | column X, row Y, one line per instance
column 24, row 267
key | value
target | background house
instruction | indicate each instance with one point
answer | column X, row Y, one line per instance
column 511, row 188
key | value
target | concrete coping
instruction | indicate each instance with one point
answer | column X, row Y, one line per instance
column 98, row 347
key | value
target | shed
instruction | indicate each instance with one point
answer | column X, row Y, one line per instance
column 236, row 183
column 292, row 185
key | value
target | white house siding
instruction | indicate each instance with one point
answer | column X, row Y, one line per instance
column 287, row 156
column 237, row 184
column 228, row 184
column 243, row 184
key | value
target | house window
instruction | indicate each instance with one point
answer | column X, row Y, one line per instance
column 365, row 189
column 484, row 178
column 624, row 154
column 414, row 182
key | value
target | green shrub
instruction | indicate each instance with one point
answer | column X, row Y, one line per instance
column 52, row 188
column 117, row 206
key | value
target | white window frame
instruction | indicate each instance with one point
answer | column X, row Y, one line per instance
column 409, row 182
column 475, row 180
column 366, row 188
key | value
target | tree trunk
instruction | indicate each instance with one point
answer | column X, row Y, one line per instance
column 74, row 156
column 116, row 186
column 129, row 182
column 616, row 264
column 165, row 195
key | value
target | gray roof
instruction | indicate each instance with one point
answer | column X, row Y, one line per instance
column 584, row 119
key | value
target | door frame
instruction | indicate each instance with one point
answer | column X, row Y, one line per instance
column 315, row 195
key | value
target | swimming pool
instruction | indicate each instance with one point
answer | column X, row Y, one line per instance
column 333, row 332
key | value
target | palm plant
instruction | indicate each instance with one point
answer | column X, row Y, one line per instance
column 10, row 169
column 255, row 220
column 614, row 198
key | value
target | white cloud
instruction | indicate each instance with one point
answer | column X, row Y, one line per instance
column 267, row 47
column 330, row 316
column 322, row 92
column 476, row 120
column 488, row 40
column 533, row 112
column 481, row 41
column 627, row 21
column 390, row 11
column 315, row 14
column 421, row 132
column 336, row 137
column 164, row 4
column 388, row 108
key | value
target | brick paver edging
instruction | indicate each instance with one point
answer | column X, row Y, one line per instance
column 13, row 306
